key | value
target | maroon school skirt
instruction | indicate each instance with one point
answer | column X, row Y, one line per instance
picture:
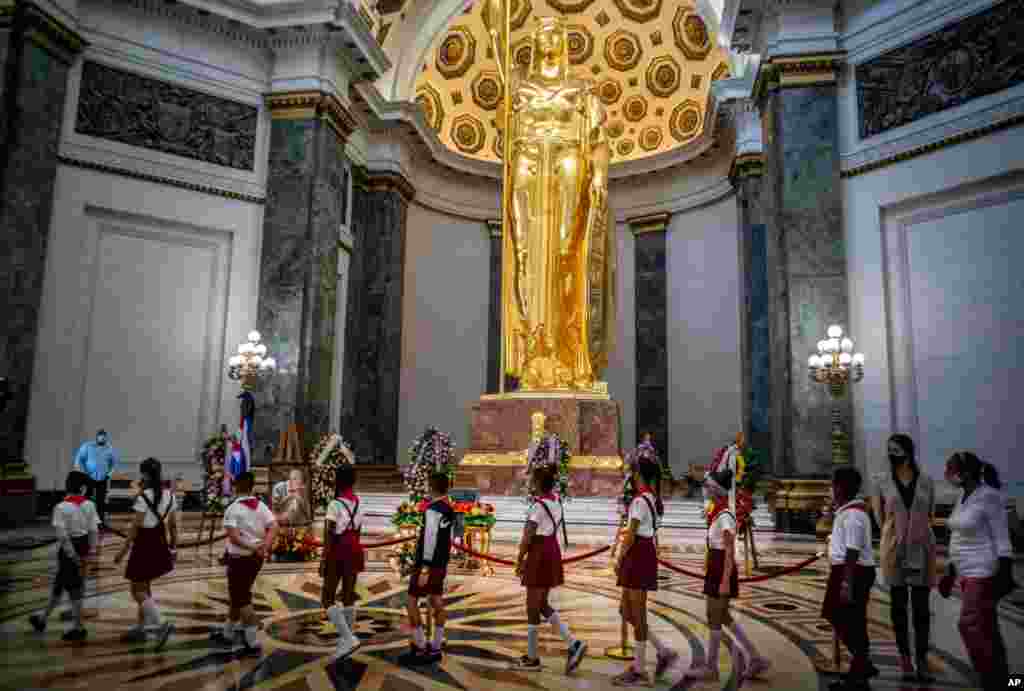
column 640, row 566
column 242, row 572
column 434, row 586
column 151, row 556
column 713, row 578
column 864, row 579
column 543, row 566
column 347, row 553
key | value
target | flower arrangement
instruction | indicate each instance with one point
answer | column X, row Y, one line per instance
column 406, row 558
column 296, row 544
column 480, row 516
column 330, row 452
column 644, row 453
column 408, row 515
column 749, row 471
column 476, row 514
column 432, row 452
column 550, row 451
column 213, row 457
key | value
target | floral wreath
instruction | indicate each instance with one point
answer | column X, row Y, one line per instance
column 213, row 457
column 432, row 452
column 749, row 471
column 550, row 451
column 330, row 453
column 644, row 453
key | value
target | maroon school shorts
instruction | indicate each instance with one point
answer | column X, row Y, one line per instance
column 434, row 586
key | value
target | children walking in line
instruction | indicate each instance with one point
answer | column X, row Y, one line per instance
column 540, row 567
column 427, row 580
column 637, row 570
column 852, row 576
column 343, row 559
column 721, row 584
column 152, row 556
column 77, row 526
column 251, row 529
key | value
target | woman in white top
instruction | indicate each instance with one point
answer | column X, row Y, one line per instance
column 151, row 554
column 980, row 557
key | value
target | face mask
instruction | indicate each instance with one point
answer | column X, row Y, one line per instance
column 101, row 439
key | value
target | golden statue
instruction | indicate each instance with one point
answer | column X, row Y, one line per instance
column 558, row 254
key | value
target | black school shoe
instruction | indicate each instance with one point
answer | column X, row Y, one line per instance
column 75, row 635
column 417, row 657
column 527, row 664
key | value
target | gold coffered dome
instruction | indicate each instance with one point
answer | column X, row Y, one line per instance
column 651, row 61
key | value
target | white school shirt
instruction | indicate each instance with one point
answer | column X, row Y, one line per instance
column 337, row 513
column 851, row 529
column 168, row 505
column 639, row 510
column 716, row 531
column 538, row 515
column 76, row 521
column 252, row 524
column 979, row 533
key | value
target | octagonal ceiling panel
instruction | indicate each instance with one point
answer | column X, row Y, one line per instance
column 651, row 61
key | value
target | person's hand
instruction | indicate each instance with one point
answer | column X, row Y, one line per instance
column 423, row 579
column 946, row 585
column 519, row 568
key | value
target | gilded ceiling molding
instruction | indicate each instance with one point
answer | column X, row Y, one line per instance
column 309, row 105
column 652, row 223
column 42, row 28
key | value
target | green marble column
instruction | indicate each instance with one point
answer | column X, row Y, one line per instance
column 36, row 53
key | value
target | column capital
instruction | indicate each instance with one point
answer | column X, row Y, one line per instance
column 382, row 181
column 747, row 166
column 309, row 105
column 42, row 28
column 652, row 223
column 788, row 71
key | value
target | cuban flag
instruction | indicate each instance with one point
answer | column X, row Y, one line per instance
column 245, row 434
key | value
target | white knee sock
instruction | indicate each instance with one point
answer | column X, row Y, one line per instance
column 419, row 638
column 714, row 641
column 228, row 631
column 658, row 644
column 744, row 640
column 150, row 612
column 640, row 653
column 350, row 616
column 531, row 641
column 561, row 627
column 438, row 636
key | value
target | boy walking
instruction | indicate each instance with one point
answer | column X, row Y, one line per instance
column 77, row 525
column 251, row 529
column 429, row 571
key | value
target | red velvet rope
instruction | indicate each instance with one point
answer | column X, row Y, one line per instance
column 506, row 562
column 373, row 545
column 754, row 579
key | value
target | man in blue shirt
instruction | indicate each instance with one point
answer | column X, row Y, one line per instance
column 97, row 459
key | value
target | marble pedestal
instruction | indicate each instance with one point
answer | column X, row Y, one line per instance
column 500, row 428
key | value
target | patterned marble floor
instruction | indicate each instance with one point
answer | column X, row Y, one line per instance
column 486, row 629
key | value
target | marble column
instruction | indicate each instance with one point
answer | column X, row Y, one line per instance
column 37, row 53
column 494, row 309
column 746, row 177
column 651, row 283
column 805, row 253
column 373, row 349
column 306, row 188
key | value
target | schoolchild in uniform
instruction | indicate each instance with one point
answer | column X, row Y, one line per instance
column 152, row 556
column 539, row 565
column 77, row 525
column 637, row 570
column 721, row 583
column 251, row 529
column 852, row 576
column 343, row 559
column 429, row 571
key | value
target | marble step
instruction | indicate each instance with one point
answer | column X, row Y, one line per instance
column 588, row 511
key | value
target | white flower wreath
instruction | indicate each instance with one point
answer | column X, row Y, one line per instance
column 550, row 451
column 330, row 453
column 432, row 452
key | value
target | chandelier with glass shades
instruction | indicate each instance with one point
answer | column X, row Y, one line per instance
column 251, row 362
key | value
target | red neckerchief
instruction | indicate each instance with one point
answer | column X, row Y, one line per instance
column 717, row 508
column 549, row 496
column 252, row 503
column 348, row 495
column 75, row 499
column 855, row 505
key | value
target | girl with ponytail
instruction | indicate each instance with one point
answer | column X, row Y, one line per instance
column 152, row 556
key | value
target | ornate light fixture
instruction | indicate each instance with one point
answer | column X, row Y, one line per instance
column 251, row 362
column 836, row 365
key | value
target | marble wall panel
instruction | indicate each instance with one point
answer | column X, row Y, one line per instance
column 494, row 312
column 373, row 349
column 33, row 104
column 651, row 339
